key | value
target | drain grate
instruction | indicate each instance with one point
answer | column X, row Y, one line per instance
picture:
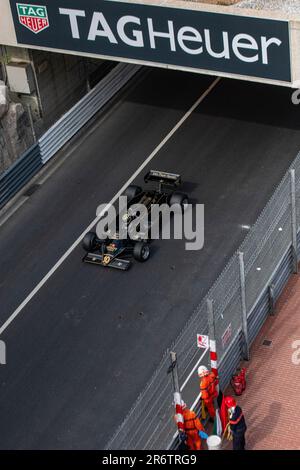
column 267, row 342
column 30, row 191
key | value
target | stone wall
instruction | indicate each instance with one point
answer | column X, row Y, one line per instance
column 15, row 131
column 60, row 80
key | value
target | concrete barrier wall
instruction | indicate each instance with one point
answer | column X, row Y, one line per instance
column 8, row 37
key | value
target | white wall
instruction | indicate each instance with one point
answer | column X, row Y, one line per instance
column 7, row 30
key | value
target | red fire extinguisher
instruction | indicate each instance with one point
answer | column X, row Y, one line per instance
column 238, row 381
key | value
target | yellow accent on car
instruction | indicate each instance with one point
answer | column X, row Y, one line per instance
column 106, row 259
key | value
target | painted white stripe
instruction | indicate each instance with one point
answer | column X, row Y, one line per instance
column 114, row 199
column 214, row 364
column 213, row 345
column 195, row 403
column 192, row 371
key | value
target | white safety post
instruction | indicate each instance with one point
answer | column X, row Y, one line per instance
column 212, row 344
column 177, row 395
column 212, row 339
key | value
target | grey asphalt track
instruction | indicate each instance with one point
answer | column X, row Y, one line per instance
column 83, row 349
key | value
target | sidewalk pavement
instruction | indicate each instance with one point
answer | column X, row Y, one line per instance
column 271, row 402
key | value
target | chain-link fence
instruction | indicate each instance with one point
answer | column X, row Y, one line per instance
column 242, row 298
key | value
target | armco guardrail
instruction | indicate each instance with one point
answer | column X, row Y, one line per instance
column 264, row 261
column 63, row 130
column 19, row 173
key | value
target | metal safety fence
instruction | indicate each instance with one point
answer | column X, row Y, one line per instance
column 66, row 127
column 242, row 298
column 12, row 180
column 20, row 173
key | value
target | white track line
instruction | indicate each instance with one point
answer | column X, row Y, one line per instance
column 116, row 197
column 193, row 370
column 195, row 402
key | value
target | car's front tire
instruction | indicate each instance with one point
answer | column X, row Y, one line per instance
column 141, row 251
column 89, row 241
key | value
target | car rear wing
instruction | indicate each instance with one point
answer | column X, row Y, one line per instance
column 163, row 178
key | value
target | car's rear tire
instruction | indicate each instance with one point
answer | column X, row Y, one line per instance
column 141, row 251
column 132, row 191
column 179, row 198
column 89, row 241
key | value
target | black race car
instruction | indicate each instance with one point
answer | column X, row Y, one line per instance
column 113, row 251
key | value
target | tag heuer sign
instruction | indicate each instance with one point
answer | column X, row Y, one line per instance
column 149, row 34
column 33, row 17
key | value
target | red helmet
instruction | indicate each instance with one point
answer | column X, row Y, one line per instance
column 230, row 402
